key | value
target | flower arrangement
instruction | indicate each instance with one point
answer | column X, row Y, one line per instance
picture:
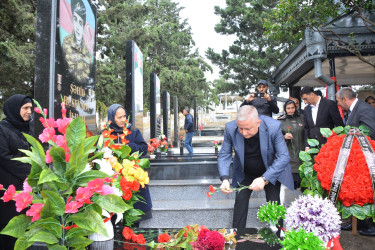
column 268, row 236
column 212, row 189
column 158, row 143
column 355, row 197
column 301, row 240
column 65, row 203
column 216, row 144
column 271, row 213
column 315, row 215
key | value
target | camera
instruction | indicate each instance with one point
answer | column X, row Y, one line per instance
column 258, row 95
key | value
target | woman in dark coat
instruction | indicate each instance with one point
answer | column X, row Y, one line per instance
column 293, row 131
column 117, row 116
column 18, row 110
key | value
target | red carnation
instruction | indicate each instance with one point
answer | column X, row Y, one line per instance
column 164, row 238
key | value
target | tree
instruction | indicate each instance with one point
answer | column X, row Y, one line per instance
column 290, row 18
column 252, row 56
column 17, row 46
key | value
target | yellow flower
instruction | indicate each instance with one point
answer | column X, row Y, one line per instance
column 127, row 164
column 131, row 171
column 117, row 167
column 113, row 161
column 138, row 173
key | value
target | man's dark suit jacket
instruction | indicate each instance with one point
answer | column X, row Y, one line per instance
column 363, row 114
column 328, row 117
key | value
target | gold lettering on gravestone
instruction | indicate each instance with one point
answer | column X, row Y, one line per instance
column 77, row 90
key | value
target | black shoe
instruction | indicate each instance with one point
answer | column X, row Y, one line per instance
column 347, row 227
column 368, row 232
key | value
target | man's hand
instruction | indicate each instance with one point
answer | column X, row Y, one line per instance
column 225, row 187
column 250, row 98
column 288, row 136
column 258, row 184
column 267, row 97
column 186, row 131
column 307, row 149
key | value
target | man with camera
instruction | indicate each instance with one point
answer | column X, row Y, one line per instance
column 262, row 101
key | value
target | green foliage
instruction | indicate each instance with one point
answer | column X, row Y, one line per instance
column 271, row 213
column 301, row 240
column 252, row 56
column 268, row 236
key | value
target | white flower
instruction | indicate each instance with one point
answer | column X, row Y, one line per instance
column 105, row 166
column 107, row 152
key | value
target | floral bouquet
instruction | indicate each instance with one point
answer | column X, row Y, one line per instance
column 216, row 144
column 212, row 189
column 355, row 196
column 271, row 213
column 301, row 239
column 66, row 200
column 159, row 142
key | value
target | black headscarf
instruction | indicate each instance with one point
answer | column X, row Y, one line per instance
column 12, row 108
column 111, row 112
column 296, row 113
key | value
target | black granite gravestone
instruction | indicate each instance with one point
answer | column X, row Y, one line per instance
column 65, row 59
column 176, row 122
column 195, row 115
column 167, row 115
column 155, row 110
column 134, row 84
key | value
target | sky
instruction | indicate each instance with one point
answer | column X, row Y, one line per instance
column 202, row 20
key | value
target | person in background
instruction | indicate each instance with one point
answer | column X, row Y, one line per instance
column 299, row 109
column 261, row 160
column 293, row 131
column 319, row 113
column 262, row 101
column 370, row 100
column 17, row 110
column 117, row 117
column 189, row 129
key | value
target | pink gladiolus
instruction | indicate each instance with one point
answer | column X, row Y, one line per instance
column 72, row 207
column 63, row 105
column 9, row 193
column 48, row 134
column 26, row 187
column 45, row 111
column 67, row 157
column 108, row 179
column 96, row 185
column 62, row 124
column 48, row 157
column 107, row 190
column 63, row 111
column 84, row 194
column 34, row 211
column 22, row 200
column 1, row 186
column 37, row 110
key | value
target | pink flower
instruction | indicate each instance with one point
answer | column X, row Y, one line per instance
column 45, row 111
column 84, row 194
column 67, row 157
column 63, row 111
column 107, row 190
column 48, row 157
column 22, row 200
column 47, row 123
column 26, row 187
column 96, row 185
column 37, row 110
column 72, row 207
column 34, row 211
column 9, row 193
column 62, row 124
column 48, row 134
column 1, row 186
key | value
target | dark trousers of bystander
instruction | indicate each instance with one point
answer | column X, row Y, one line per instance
column 241, row 205
column 6, row 242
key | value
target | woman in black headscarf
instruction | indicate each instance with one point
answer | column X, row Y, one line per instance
column 18, row 110
column 293, row 131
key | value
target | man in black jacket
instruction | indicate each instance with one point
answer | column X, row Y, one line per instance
column 262, row 101
column 319, row 113
column 18, row 110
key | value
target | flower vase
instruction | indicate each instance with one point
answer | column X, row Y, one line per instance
column 98, row 237
column 152, row 156
column 273, row 226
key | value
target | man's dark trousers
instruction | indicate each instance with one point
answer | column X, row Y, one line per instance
column 241, row 204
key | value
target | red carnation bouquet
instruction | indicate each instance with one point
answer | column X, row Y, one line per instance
column 356, row 194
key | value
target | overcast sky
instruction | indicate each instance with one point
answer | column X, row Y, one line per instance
column 201, row 18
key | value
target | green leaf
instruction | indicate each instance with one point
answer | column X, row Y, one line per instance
column 125, row 151
column 144, row 163
column 75, row 133
column 37, row 149
column 59, row 162
column 17, row 226
column 56, row 200
column 365, row 130
column 89, row 143
column 89, row 220
column 367, row 210
column 85, row 177
column 313, row 142
column 35, row 171
column 338, row 130
column 44, row 236
column 25, row 159
column 305, row 183
column 346, row 213
column 50, row 224
column 313, row 151
column 304, row 156
column 56, row 247
column 22, row 243
column 77, row 162
column 79, row 242
column 76, row 232
column 96, row 208
column 308, row 172
column 326, row 132
column 47, row 175
column 357, row 211
column 113, row 203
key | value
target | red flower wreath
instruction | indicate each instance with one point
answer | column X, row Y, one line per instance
column 356, row 187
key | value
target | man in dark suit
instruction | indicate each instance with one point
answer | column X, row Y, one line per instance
column 261, row 159
column 319, row 113
column 359, row 113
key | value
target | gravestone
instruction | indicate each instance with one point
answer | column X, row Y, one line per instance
column 176, row 123
column 65, row 61
column 167, row 115
column 155, row 110
column 134, row 84
column 195, row 115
